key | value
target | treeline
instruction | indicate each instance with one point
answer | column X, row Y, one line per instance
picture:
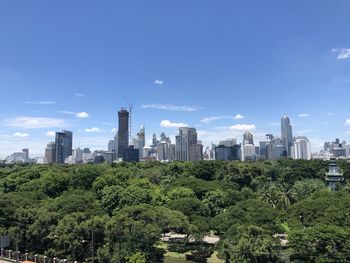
column 55, row 210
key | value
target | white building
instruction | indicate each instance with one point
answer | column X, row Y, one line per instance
column 248, row 152
column 301, row 148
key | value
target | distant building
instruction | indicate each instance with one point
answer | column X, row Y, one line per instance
column 26, row 151
column 228, row 142
column 123, row 131
column 334, row 177
column 263, row 149
column 139, row 141
column 110, row 145
column 187, row 147
column 131, row 154
column 286, row 134
column 301, row 148
column 78, row 154
column 17, row 157
column 64, row 143
column 99, row 159
column 108, row 157
column 50, row 153
column 248, row 138
column 228, row 153
column 276, row 148
column 248, row 153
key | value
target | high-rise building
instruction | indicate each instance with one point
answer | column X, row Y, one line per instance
column 123, row 131
column 26, row 152
column 131, row 155
column 64, row 143
column 187, row 148
column 50, row 152
column 139, row 142
column 263, row 149
column 275, row 149
column 228, row 153
column 228, row 142
column 301, row 148
column 110, row 145
column 248, row 138
column 248, row 152
column 286, row 134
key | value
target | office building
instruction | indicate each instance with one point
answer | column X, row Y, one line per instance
column 50, row 153
column 139, row 141
column 286, row 134
column 248, row 152
column 228, row 153
column 248, row 138
column 301, row 148
column 131, row 154
column 123, row 131
column 275, row 148
column 64, row 143
column 26, row 152
column 187, row 147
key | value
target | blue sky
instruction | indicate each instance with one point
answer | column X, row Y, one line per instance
column 68, row 65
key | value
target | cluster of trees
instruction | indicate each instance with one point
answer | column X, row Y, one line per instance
column 57, row 210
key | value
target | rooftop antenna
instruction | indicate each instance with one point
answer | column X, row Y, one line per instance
column 130, row 111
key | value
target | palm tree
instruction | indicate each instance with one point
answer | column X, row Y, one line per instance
column 287, row 196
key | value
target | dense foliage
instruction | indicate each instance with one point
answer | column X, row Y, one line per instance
column 56, row 210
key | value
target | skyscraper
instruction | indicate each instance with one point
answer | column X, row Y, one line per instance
column 50, row 152
column 123, row 131
column 64, row 145
column 301, row 148
column 139, row 141
column 286, row 134
column 187, row 147
column 248, row 138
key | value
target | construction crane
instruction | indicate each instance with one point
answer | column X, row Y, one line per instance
column 130, row 113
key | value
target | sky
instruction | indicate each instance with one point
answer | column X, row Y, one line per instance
column 223, row 67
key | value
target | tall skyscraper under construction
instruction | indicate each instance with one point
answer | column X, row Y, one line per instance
column 123, row 131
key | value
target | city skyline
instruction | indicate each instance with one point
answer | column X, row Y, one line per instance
column 221, row 68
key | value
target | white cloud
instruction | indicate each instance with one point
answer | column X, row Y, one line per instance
column 79, row 94
column 303, row 115
column 170, row 107
column 243, row 127
column 34, row 122
column 158, row 82
column 347, row 122
column 238, row 117
column 45, row 102
column 169, row 124
column 94, row 129
column 82, row 114
column 20, row 134
column 214, row 118
column 329, row 113
column 114, row 130
column 67, row 112
column 275, row 124
column 50, row 134
column 343, row 53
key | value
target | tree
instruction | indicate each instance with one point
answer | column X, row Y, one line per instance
column 180, row 192
column 305, row 188
column 321, row 244
column 215, row 202
column 249, row 244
